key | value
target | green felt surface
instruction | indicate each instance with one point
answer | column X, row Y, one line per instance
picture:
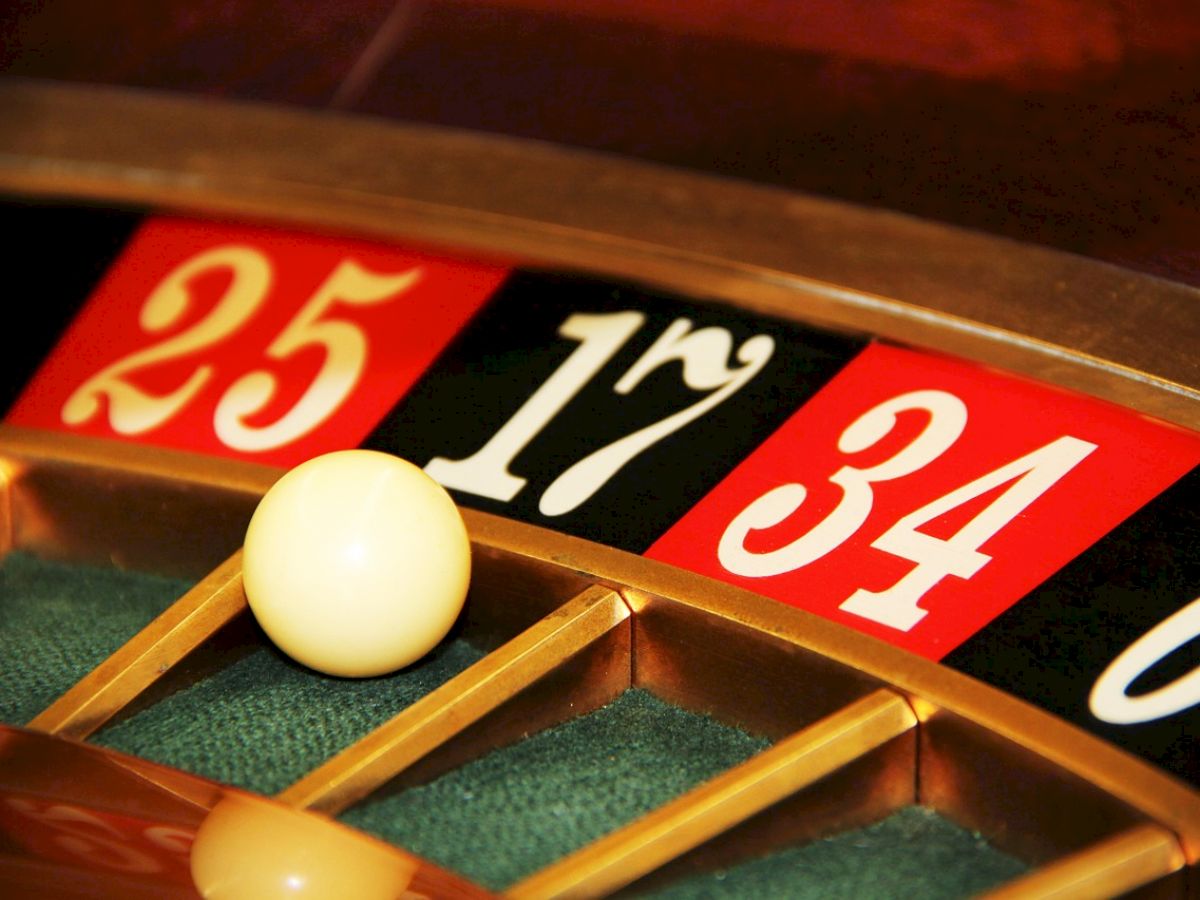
column 262, row 722
column 508, row 814
column 58, row 622
column 912, row 853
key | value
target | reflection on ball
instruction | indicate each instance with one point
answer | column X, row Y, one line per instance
column 356, row 563
column 250, row 848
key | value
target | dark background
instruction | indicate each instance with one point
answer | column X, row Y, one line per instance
column 1072, row 123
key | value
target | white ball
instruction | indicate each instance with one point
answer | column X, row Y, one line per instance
column 356, row 563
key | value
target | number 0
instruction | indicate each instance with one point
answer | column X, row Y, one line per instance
column 1110, row 700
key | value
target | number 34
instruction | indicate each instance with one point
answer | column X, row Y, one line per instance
column 898, row 606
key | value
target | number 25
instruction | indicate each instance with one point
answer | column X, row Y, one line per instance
column 132, row 410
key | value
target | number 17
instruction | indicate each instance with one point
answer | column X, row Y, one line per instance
column 704, row 354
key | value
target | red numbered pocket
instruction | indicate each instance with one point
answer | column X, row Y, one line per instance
column 917, row 497
column 251, row 342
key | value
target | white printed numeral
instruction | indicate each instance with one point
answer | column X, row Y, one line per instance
column 345, row 348
column 485, row 472
column 132, row 410
column 898, row 606
column 947, row 419
column 1034, row 474
column 1110, row 700
column 703, row 354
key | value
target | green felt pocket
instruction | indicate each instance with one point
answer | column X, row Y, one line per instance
column 502, row 817
column 59, row 621
column 263, row 721
column 912, row 853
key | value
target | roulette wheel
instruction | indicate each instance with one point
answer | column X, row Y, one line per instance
column 799, row 527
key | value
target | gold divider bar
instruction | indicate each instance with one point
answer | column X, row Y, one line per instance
column 732, row 797
column 148, row 655
column 6, row 508
column 1113, row 867
column 463, row 700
